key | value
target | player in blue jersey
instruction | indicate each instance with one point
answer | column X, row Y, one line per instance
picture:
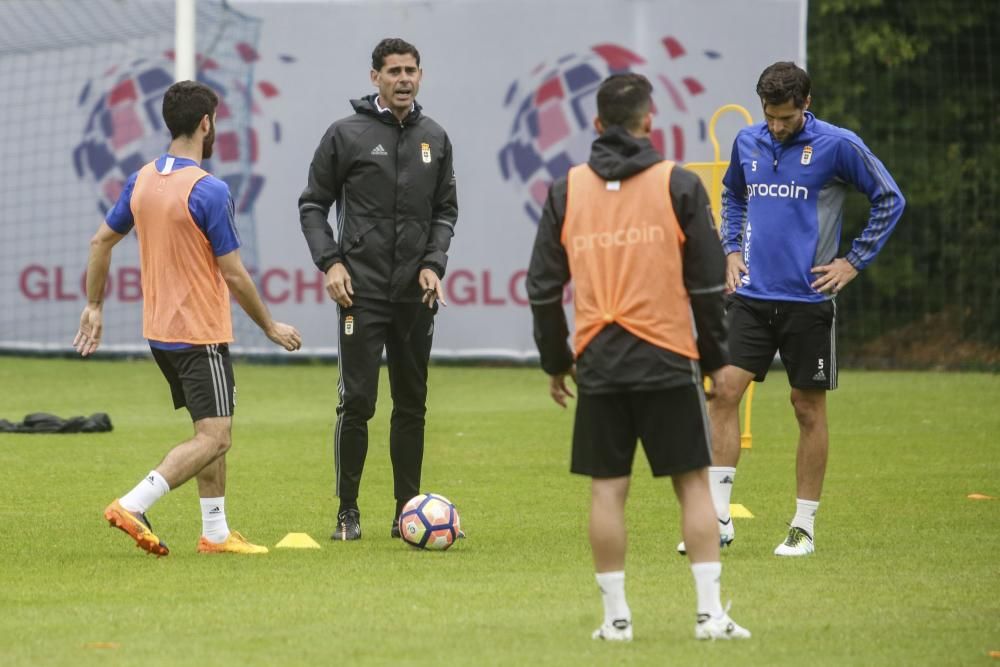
column 782, row 211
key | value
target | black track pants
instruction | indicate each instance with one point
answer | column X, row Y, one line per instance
column 405, row 332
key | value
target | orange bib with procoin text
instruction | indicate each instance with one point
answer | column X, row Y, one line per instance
column 625, row 255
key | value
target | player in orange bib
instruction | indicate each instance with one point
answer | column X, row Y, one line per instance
column 190, row 261
column 635, row 234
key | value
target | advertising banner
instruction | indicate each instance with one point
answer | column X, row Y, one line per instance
column 512, row 82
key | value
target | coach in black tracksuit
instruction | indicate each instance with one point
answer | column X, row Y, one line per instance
column 389, row 170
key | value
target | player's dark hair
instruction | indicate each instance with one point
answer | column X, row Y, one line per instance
column 184, row 105
column 392, row 46
column 624, row 99
column 784, row 81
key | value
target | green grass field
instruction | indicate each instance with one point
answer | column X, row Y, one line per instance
column 907, row 570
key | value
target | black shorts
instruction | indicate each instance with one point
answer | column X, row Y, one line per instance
column 201, row 379
column 671, row 423
column 804, row 334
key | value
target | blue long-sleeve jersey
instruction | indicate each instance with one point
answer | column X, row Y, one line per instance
column 783, row 204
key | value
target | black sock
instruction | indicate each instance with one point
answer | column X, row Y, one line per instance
column 348, row 504
column 399, row 507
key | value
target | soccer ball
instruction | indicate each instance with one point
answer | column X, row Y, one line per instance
column 429, row 521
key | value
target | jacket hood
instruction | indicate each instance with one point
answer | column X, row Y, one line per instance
column 366, row 105
column 616, row 154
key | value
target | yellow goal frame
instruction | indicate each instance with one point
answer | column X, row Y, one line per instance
column 711, row 174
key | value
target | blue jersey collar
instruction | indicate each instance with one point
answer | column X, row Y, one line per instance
column 174, row 161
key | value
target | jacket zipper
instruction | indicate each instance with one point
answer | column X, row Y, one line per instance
column 395, row 205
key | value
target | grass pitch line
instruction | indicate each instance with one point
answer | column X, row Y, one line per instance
column 297, row 541
column 738, row 511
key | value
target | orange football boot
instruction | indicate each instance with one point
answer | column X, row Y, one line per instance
column 234, row 544
column 138, row 528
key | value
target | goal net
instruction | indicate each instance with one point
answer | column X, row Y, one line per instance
column 83, row 84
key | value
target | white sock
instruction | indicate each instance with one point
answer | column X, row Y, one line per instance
column 612, row 585
column 805, row 514
column 145, row 493
column 720, row 481
column 213, row 520
column 707, row 582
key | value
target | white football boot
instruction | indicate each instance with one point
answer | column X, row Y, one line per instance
column 721, row 627
column 798, row 543
column 727, row 533
column 620, row 630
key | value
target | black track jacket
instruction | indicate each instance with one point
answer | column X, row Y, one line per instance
column 616, row 360
column 394, row 186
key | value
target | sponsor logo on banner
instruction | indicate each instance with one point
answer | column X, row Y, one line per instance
column 553, row 108
column 124, row 127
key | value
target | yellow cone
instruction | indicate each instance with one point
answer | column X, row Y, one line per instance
column 297, row 541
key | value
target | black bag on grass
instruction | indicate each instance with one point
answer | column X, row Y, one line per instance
column 43, row 422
